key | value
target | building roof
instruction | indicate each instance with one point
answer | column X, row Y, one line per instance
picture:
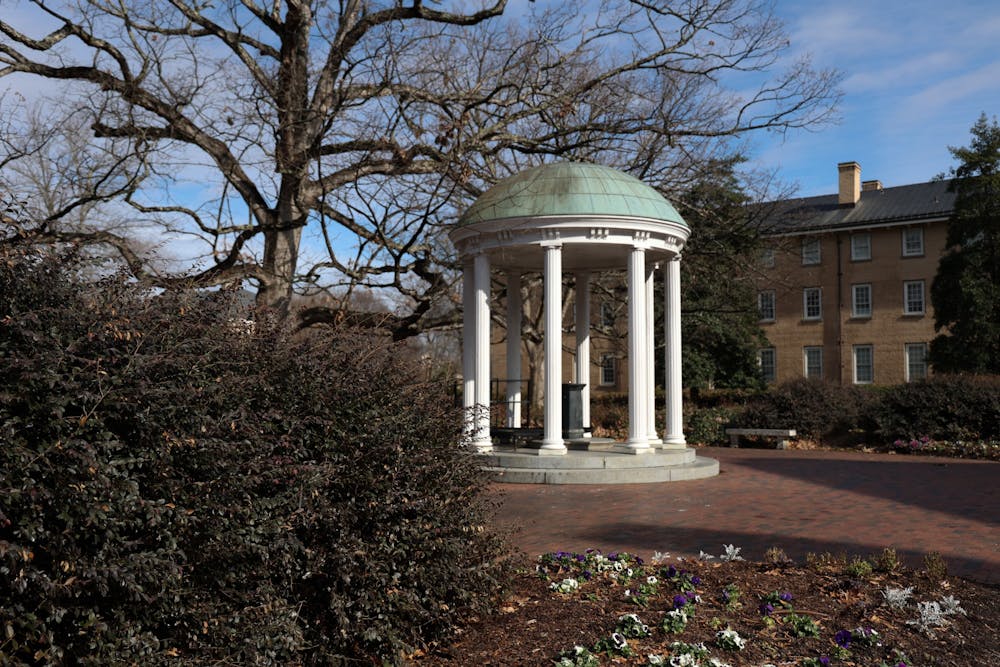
column 570, row 189
column 896, row 205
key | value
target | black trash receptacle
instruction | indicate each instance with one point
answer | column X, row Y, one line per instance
column 572, row 411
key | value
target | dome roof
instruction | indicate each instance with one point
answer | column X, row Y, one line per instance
column 572, row 189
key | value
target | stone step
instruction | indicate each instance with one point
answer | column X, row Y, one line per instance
column 589, row 459
column 654, row 469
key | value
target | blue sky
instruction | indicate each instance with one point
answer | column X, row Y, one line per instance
column 917, row 75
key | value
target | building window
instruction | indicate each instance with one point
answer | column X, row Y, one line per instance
column 864, row 364
column 810, row 251
column 913, row 242
column 812, row 308
column 609, row 370
column 607, row 315
column 767, row 258
column 768, row 364
column 913, row 297
column 765, row 303
column 813, row 362
column 916, row 361
column 861, row 300
column 861, row 247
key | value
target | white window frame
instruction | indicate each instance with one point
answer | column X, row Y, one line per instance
column 913, row 247
column 811, row 252
column 763, row 297
column 772, row 364
column 818, row 351
column 907, row 284
column 861, row 252
column 870, row 349
column 910, row 348
column 609, row 363
column 819, row 303
column 856, row 302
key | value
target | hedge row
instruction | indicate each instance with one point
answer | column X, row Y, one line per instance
column 943, row 407
column 179, row 488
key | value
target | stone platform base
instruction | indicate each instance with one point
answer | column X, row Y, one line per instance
column 597, row 466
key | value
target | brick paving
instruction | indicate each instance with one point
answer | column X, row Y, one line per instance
column 801, row 501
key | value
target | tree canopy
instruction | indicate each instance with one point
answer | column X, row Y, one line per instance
column 324, row 146
column 966, row 290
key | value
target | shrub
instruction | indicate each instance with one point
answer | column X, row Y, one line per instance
column 177, row 489
column 815, row 409
column 609, row 415
column 943, row 407
column 707, row 426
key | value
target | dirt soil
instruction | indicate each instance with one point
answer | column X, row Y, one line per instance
column 536, row 624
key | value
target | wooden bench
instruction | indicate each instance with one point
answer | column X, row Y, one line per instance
column 781, row 434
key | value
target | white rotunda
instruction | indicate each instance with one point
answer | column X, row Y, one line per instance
column 581, row 219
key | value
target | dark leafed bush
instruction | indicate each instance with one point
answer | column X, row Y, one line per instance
column 707, row 426
column 815, row 409
column 943, row 407
column 176, row 487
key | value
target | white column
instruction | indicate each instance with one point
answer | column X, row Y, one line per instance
column 552, row 441
column 674, row 434
column 638, row 442
column 582, row 298
column 468, row 337
column 513, row 349
column 481, row 437
column 654, row 441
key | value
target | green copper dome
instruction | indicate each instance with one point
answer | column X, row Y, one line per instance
column 570, row 188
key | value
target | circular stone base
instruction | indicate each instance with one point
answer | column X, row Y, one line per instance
column 516, row 466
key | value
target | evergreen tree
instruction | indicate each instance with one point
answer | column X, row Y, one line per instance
column 966, row 290
column 720, row 330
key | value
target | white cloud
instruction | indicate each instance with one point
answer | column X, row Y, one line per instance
column 947, row 92
column 878, row 75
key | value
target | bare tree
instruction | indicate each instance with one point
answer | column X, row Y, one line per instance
column 328, row 145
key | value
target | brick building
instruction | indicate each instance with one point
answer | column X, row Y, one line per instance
column 844, row 291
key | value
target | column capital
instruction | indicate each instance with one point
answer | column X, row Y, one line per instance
column 551, row 240
column 640, row 240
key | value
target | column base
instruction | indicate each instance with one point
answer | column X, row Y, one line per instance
column 631, row 448
column 655, row 443
column 483, row 447
column 674, row 442
column 543, row 448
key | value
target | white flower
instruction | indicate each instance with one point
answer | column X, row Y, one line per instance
column 704, row 556
column 628, row 572
column 684, row 660
column 618, row 640
column 565, row 586
column 654, row 659
column 619, row 566
column 729, row 639
column 650, row 579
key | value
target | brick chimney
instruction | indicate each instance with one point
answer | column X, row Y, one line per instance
column 871, row 185
column 850, row 183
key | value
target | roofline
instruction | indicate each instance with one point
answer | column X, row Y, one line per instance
column 855, row 226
